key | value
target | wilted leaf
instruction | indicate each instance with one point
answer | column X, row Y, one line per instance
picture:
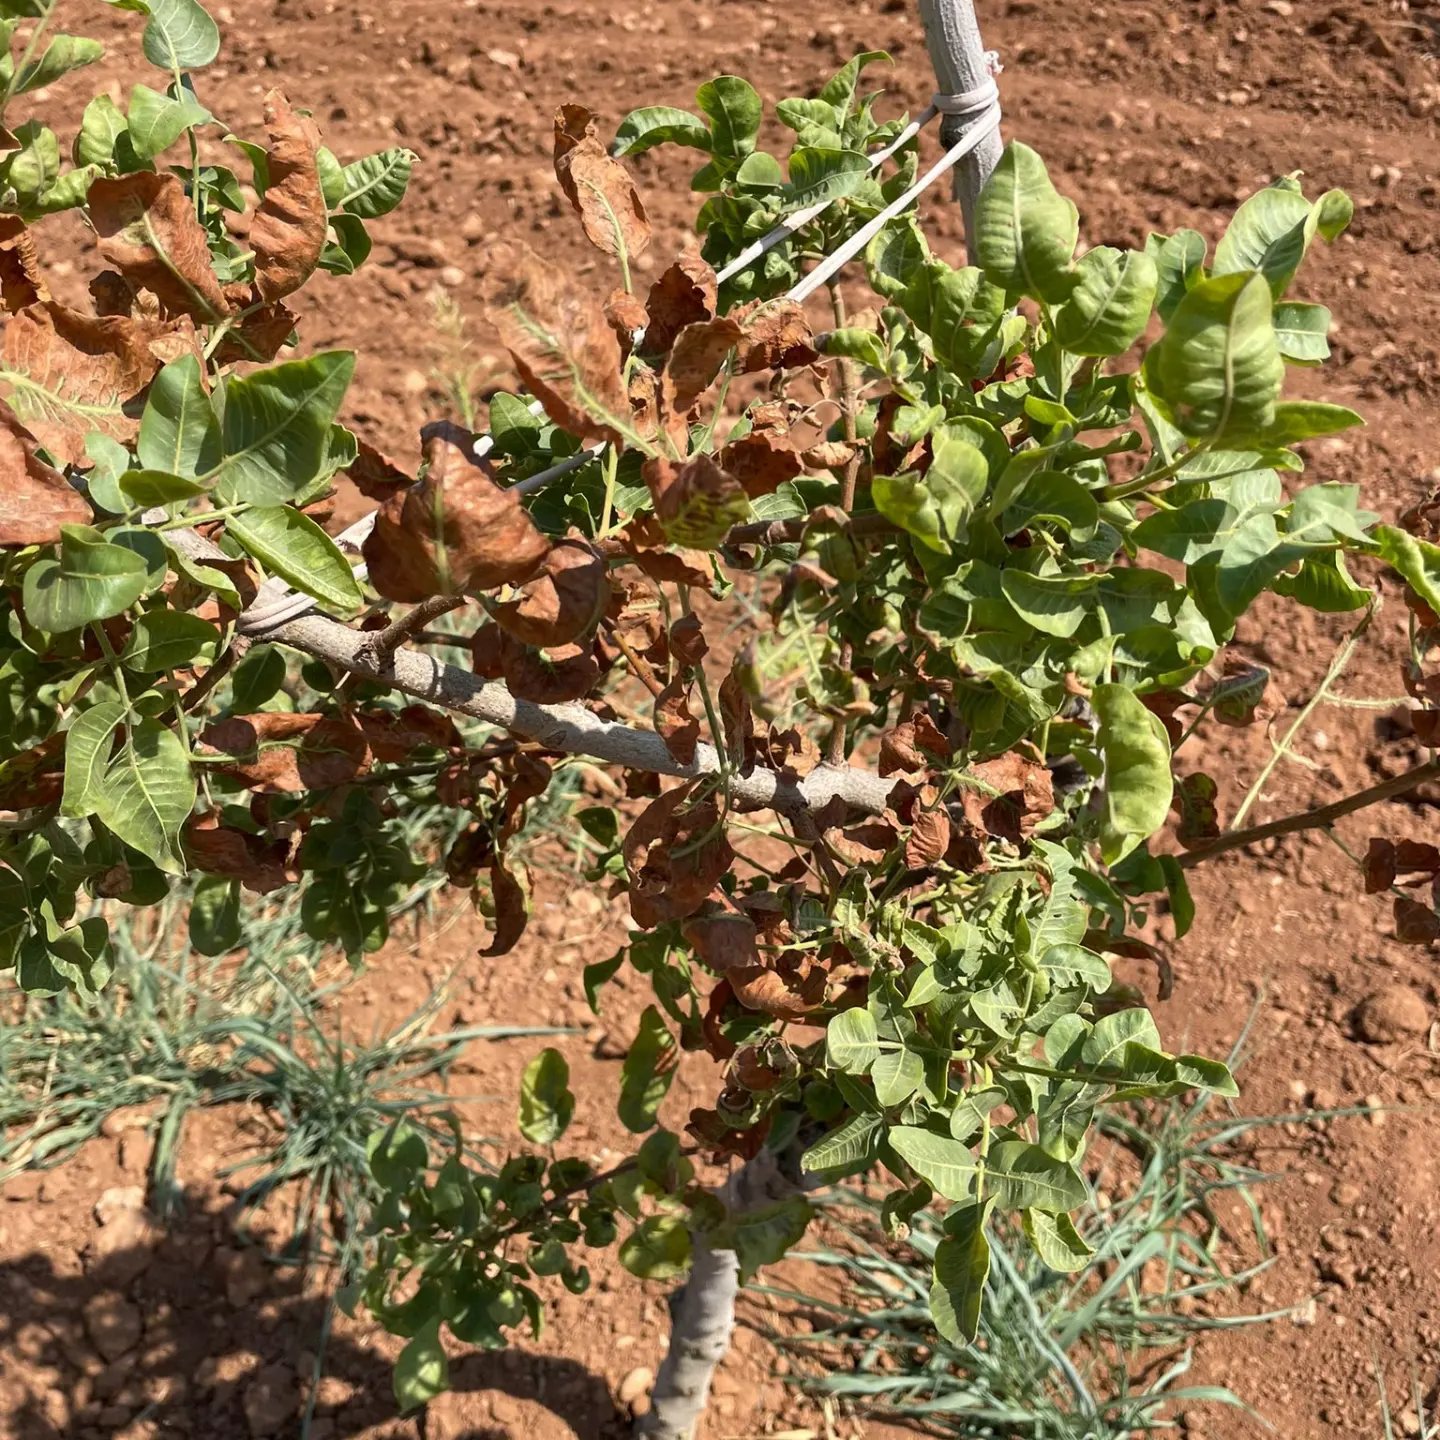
column 563, row 602
column 375, row 475
column 1195, row 797
column 564, row 349
column 761, row 461
column 601, row 189
column 35, row 499
column 676, row 726
column 288, row 232
column 456, row 532
column 21, row 282
column 777, row 336
column 695, row 360
column 1415, row 924
column 685, row 294
column 148, row 231
column 277, row 753
column 675, row 854
column 258, row 864
column 1019, row 794
column 261, row 334
column 550, row 676
column 928, row 840
column 70, row 374
column 696, row 502
column 724, row 940
column 512, row 909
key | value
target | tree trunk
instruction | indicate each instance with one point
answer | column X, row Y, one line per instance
column 702, row 1312
column 962, row 64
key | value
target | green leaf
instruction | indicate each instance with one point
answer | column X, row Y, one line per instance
column 762, row 1237
column 1025, row 230
column 1106, row 1044
column 168, row 640
column 257, row 679
column 397, row 1156
column 293, row 545
column 647, row 1072
column 857, row 344
column 851, row 1042
column 546, row 1104
column 101, row 127
column 179, row 433
column 839, row 90
column 144, row 488
column 275, row 427
column 180, row 36
column 1302, row 332
column 907, row 501
column 421, row 1370
column 1056, row 1241
column 1076, row 963
column 946, row 1164
column 962, row 1265
column 1295, row 421
column 1022, row 1176
column 157, row 121
column 818, row 176
column 35, row 164
column 62, row 55
column 760, row 171
column 147, row 794
column 597, row 974
column 90, row 579
column 1110, row 306
column 734, row 109
column 1268, row 233
column 88, row 744
column 1417, row 561
column 658, row 1248
column 1138, row 782
column 1217, row 367
column 1053, row 604
column 375, row 185
column 214, row 923
column 653, row 125
column 1179, row 263
column 894, row 257
column 846, row 1150
column 897, row 1075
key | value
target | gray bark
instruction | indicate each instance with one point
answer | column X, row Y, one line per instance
column 952, row 35
column 702, row 1313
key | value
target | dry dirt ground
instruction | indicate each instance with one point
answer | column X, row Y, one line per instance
column 1151, row 114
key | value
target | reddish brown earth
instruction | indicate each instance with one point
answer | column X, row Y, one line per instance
column 1152, row 114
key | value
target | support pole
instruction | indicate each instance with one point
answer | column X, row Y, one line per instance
column 952, row 35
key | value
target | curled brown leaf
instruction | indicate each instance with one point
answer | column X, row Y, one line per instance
column 285, row 754
column 685, row 294
column 21, row 281
column 288, row 232
column 454, row 533
column 148, row 231
column 675, row 854
column 599, row 187
column 696, row 502
column 761, row 461
column 674, row 723
column 35, row 498
column 563, row 602
column 695, row 361
column 260, row 865
column 550, row 676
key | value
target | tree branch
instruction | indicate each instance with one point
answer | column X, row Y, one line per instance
column 1320, row 818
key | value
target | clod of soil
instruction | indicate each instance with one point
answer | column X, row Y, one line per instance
column 112, row 1323
column 1385, row 1017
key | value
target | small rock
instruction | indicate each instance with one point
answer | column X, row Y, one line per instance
column 473, row 229
column 634, row 1385
column 247, row 1276
column 452, row 276
column 1346, row 1193
column 112, row 1323
column 125, row 1244
column 1390, row 1015
column 270, row 1400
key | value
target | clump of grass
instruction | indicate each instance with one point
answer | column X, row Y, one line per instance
column 1097, row 1356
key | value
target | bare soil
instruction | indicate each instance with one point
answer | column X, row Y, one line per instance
column 1152, row 114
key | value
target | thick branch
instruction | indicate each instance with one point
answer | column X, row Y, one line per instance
column 571, row 728
column 1317, row 819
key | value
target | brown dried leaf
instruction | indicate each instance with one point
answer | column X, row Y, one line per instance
column 696, row 502
column 1026, row 796
column 928, row 840
column 35, row 499
column 1415, row 924
column 375, row 475
column 1195, row 798
column 1416, row 857
column 563, row 602
column 562, row 345
column 625, row 314
column 551, row 676
column 512, row 909
column 723, row 940
column 288, row 232
column 394, row 737
column 456, row 532
column 643, row 543
column 599, row 187
column 787, row 994
column 34, row 776
column 675, row 854
column 777, row 336
column 899, row 752
column 80, row 372
column 828, row 455
column 674, row 723
column 1245, row 694
column 148, row 231
column 685, row 294
column 21, row 282
column 263, row 332
column 695, row 360
column 761, row 461
column 1380, row 870
column 260, row 865
column 687, row 641
column 286, row 754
